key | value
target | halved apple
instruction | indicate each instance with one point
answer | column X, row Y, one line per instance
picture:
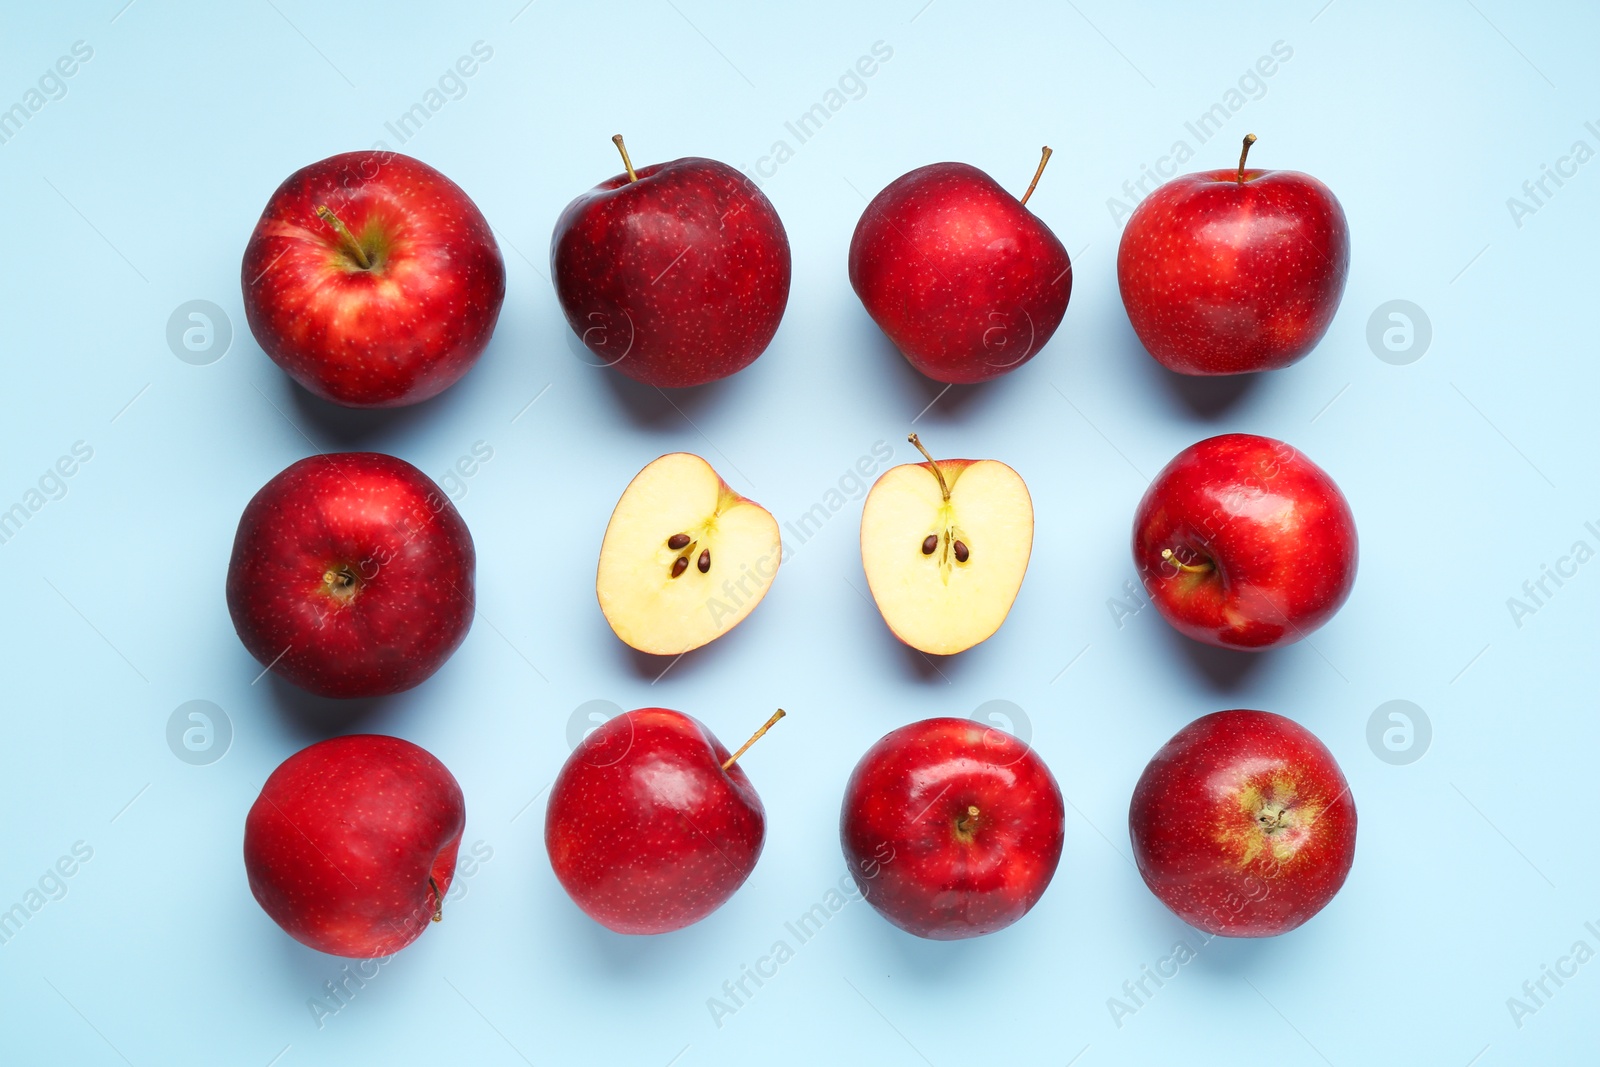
column 685, row 558
column 945, row 545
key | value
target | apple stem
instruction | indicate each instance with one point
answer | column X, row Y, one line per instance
column 1188, row 568
column 1043, row 159
column 967, row 822
column 438, row 901
column 937, row 473
column 1249, row 139
column 346, row 239
column 616, row 139
column 729, row 762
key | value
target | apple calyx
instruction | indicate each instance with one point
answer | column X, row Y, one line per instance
column 1203, row 567
column 1043, row 159
column 954, row 546
column 341, row 582
column 1249, row 139
column 731, row 760
column 966, row 825
column 438, row 900
column 347, row 240
column 616, row 139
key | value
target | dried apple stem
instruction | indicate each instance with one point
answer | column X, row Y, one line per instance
column 347, row 240
column 616, row 139
column 729, row 762
column 937, row 473
column 1043, row 159
column 1249, row 139
column 1188, row 568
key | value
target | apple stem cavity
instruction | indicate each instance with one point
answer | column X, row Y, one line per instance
column 1249, row 139
column 347, row 240
column 731, row 760
column 967, row 824
column 616, row 139
column 341, row 582
column 438, row 900
column 1171, row 557
column 1043, row 159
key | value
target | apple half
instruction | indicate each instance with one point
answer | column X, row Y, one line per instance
column 685, row 558
column 945, row 545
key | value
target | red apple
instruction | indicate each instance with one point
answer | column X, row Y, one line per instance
column 651, row 825
column 966, row 281
column 1243, row 542
column 352, row 575
column 1243, row 824
column 352, row 844
column 1229, row 271
column 372, row 279
column 951, row 828
column 676, row 274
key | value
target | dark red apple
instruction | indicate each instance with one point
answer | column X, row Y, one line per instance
column 651, row 825
column 352, row 844
column 676, row 274
column 1243, row 824
column 352, row 575
column 1229, row 271
column 951, row 828
column 965, row 280
column 372, row 279
column 1243, row 542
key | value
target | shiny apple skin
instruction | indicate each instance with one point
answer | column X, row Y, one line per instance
column 966, row 281
column 1220, row 277
column 341, row 843
column 1194, row 824
column 677, row 279
column 398, row 533
column 645, row 830
column 1275, row 528
column 899, row 826
column 395, row 335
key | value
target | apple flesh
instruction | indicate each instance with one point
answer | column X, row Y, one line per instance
column 351, row 575
column 1229, row 271
column 1243, row 824
column 676, row 274
column 685, row 559
column 964, row 279
column 352, row 844
column 651, row 825
column 951, row 829
column 945, row 545
column 372, row 279
column 1242, row 542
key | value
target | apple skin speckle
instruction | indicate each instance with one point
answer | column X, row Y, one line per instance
column 1194, row 824
column 399, row 333
column 645, row 830
column 396, row 533
column 341, row 843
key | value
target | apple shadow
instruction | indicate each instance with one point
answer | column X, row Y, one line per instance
column 939, row 402
column 1224, row 669
column 319, row 717
column 356, row 429
column 924, row 961
column 1210, row 397
column 646, row 405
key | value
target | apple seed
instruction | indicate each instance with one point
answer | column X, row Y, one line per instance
column 962, row 552
column 680, row 565
column 704, row 562
column 677, row 541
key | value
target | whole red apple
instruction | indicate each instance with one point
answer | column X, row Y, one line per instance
column 352, row 844
column 372, row 279
column 951, row 828
column 965, row 280
column 651, row 825
column 1228, row 271
column 1243, row 824
column 676, row 274
column 1243, row 542
column 352, row 575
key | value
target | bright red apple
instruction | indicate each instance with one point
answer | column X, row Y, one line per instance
column 352, row 844
column 651, row 825
column 951, row 828
column 965, row 280
column 352, row 575
column 372, row 279
column 1243, row 824
column 676, row 274
column 1243, row 542
column 1228, row 271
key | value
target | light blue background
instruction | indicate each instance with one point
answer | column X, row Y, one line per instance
column 1467, row 470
